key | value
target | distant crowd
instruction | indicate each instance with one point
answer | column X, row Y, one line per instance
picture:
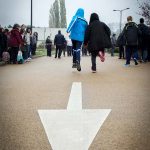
column 17, row 45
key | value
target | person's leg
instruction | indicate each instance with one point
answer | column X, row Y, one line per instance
column 128, row 55
column 78, row 50
column 73, row 51
column 144, row 56
column 120, row 52
column 59, row 51
column 50, row 51
column 112, row 50
column 56, row 51
column 135, row 55
column 93, row 60
column 16, row 49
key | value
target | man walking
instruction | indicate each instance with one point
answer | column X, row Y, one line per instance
column 59, row 42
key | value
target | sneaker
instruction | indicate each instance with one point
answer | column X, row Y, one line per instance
column 93, row 71
column 135, row 61
column 78, row 67
column 74, row 65
column 127, row 65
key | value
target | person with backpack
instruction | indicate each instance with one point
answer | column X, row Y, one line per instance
column 59, row 41
column 77, row 29
column 131, row 33
column 97, row 37
column 143, row 42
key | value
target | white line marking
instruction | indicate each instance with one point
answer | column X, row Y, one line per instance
column 75, row 99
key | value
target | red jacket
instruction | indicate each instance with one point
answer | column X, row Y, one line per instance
column 15, row 38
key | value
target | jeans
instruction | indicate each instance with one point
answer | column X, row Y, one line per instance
column 76, row 45
column 28, row 51
column 131, row 51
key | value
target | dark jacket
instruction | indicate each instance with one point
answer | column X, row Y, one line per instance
column 97, row 34
column 131, row 33
column 121, row 40
column 59, row 40
column 145, row 33
column 48, row 43
column 15, row 38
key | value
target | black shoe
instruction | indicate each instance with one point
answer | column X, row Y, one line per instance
column 74, row 65
column 135, row 60
column 78, row 67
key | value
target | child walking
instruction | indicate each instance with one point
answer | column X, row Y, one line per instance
column 97, row 37
column 77, row 29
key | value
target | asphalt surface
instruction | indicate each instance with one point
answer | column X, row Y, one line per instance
column 45, row 83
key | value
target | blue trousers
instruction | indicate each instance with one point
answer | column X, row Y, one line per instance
column 76, row 46
column 131, row 51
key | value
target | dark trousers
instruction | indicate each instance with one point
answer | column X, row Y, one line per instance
column 13, row 54
column 131, row 51
column 49, row 50
column 76, row 46
column 69, row 50
column 121, row 51
column 58, row 51
column 93, row 60
column 33, row 49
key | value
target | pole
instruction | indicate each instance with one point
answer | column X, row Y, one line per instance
column 31, row 16
column 120, row 20
column 121, row 16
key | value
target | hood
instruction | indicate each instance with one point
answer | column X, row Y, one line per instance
column 80, row 13
column 94, row 17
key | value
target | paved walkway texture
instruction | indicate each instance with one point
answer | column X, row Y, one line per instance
column 45, row 83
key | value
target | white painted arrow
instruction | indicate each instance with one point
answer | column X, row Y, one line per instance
column 74, row 128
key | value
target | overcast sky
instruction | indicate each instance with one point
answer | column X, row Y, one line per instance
column 18, row 11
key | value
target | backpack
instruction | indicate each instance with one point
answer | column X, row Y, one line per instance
column 131, row 34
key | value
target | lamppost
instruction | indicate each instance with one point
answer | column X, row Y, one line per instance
column 121, row 15
column 31, row 16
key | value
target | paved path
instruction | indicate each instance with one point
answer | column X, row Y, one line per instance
column 45, row 83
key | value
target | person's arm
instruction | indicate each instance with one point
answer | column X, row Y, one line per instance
column 74, row 19
column 87, row 35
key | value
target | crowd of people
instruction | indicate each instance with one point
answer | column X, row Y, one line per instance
column 94, row 37
column 17, row 45
column 133, row 41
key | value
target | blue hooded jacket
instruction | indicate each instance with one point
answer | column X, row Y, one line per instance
column 77, row 26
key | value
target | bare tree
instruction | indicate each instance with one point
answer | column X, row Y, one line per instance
column 144, row 6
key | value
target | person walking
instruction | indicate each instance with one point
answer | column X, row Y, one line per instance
column 143, row 42
column 48, row 46
column 113, row 42
column 77, row 29
column 131, row 33
column 97, row 37
column 121, row 43
column 59, row 42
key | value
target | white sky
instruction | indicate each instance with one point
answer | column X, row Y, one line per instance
column 18, row 11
